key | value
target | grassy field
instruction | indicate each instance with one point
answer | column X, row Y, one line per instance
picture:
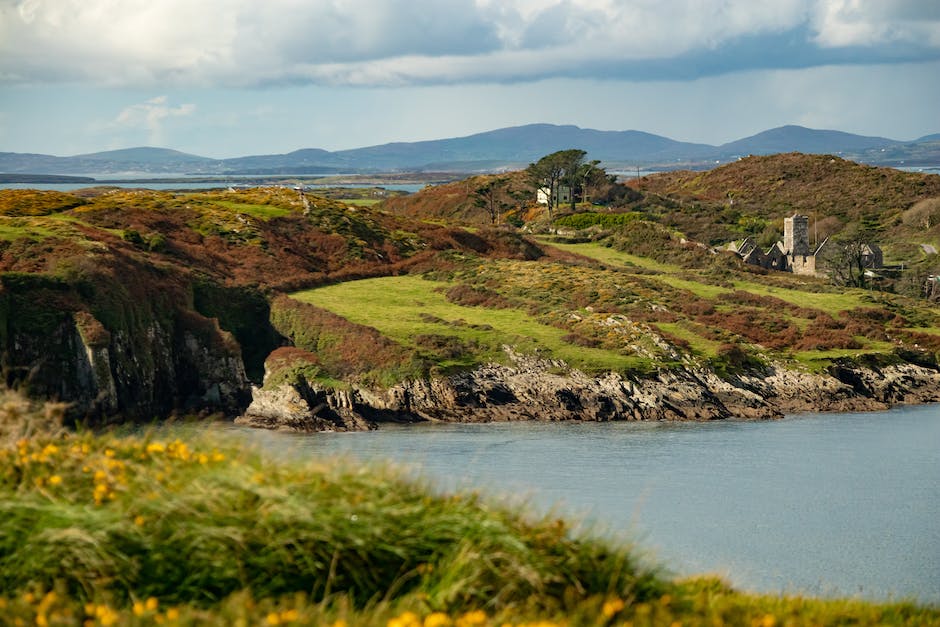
column 113, row 529
column 405, row 307
column 262, row 212
column 606, row 254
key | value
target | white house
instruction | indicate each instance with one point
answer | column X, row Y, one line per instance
column 562, row 196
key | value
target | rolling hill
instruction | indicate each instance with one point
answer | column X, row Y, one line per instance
column 501, row 149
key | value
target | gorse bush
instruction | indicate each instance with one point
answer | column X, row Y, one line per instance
column 588, row 219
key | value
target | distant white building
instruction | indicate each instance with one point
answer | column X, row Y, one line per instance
column 562, row 196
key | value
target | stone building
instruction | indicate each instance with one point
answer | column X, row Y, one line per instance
column 796, row 254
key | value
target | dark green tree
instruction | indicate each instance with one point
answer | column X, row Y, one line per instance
column 554, row 170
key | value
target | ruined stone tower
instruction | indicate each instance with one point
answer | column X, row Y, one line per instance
column 796, row 235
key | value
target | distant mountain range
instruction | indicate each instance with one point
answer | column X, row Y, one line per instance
column 504, row 148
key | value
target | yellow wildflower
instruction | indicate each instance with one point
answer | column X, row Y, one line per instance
column 472, row 619
column 611, row 607
column 155, row 447
column 437, row 619
column 55, row 480
column 407, row 619
column 139, row 609
column 272, row 619
column 289, row 616
column 152, row 604
column 769, row 620
column 139, row 520
column 172, row 614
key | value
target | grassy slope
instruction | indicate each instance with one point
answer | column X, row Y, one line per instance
column 407, row 308
column 94, row 527
column 605, row 309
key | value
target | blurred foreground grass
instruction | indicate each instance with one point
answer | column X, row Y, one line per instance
column 105, row 529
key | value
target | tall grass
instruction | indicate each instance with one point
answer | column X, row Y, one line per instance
column 107, row 529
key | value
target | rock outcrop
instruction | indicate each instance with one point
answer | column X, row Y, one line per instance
column 143, row 364
column 534, row 389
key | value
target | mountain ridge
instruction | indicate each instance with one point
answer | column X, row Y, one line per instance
column 509, row 147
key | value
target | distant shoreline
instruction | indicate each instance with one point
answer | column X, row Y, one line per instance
column 366, row 180
column 44, row 178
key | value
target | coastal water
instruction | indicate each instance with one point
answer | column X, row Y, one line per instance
column 823, row 504
column 156, row 184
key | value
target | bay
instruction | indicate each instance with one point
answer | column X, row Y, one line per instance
column 819, row 504
column 191, row 186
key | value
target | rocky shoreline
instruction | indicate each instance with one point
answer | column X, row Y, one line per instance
column 537, row 389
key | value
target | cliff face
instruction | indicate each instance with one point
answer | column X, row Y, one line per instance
column 142, row 360
column 532, row 389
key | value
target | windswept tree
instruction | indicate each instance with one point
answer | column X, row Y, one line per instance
column 850, row 256
column 554, row 170
column 491, row 196
column 591, row 179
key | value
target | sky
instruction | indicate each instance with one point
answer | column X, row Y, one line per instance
column 226, row 78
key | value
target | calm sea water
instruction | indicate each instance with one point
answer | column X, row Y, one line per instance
column 828, row 504
column 71, row 187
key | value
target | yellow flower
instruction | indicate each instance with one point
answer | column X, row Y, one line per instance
column 472, row 619
column 55, row 480
column 407, row 619
column 289, row 616
column 272, row 619
column 611, row 607
column 155, row 447
column 339, row 623
column 139, row 520
column 152, row 604
column 172, row 614
column 437, row 619
column 139, row 609
column 769, row 620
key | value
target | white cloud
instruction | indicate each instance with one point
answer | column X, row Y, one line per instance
column 395, row 42
column 866, row 23
column 150, row 117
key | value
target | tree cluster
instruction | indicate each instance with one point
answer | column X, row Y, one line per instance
column 567, row 168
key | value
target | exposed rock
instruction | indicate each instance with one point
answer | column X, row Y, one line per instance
column 534, row 389
column 302, row 406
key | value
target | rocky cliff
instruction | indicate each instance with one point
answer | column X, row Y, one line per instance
column 133, row 360
column 534, row 389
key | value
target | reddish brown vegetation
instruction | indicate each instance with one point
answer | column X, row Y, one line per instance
column 477, row 296
column 346, row 349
